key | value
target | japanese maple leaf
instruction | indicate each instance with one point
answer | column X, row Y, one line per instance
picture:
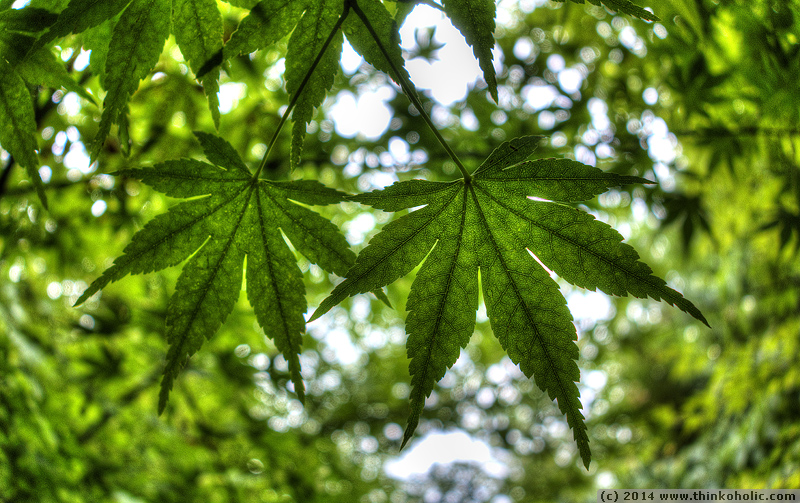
column 488, row 223
column 236, row 216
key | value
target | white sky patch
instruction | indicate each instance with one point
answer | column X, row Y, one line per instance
column 556, row 63
column 399, row 150
column 591, row 384
column 631, row 40
column 82, row 61
column 468, row 120
column 70, row 104
column 356, row 230
column 570, row 80
column 78, row 158
column 229, row 95
column 661, row 144
column 366, row 115
column 456, row 70
column 539, row 97
column 523, row 48
column 99, row 207
column 445, row 448
column 650, row 96
column 45, row 173
column 351, row 60
column 598, row 109
column 343, row 348
column 594, row 306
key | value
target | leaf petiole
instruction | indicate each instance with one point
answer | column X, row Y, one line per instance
column 408, row 88
column 302, row 86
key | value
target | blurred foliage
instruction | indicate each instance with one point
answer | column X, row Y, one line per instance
column 704, row 102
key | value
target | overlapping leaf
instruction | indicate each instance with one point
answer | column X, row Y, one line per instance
column 197, row 25
column 134, row 49
column 314, row 48
column 136, row 41
column 238, row 217
column 17, row 124
column 624, row 6
column 475, row 20
column 489, row 224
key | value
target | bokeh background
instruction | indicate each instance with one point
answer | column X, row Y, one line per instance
column 705, row 102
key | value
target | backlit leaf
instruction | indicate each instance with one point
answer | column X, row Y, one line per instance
column 237, row 216
column 490, row 224
column 133, row 51
column 305, row 45
column 80, row 15
column 624, row 6
column 197, row 25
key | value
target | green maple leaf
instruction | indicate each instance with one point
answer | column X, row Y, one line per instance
column 489, row 224
column 136, row 43
column 238, row 216
column 624, row 6
column 80, row 15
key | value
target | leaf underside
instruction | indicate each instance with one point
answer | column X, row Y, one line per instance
column 238, row 217
column 489, row 224
column 624, row 6
column 18, row 124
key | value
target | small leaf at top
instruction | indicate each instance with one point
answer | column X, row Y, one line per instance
column 28, row 19
column 267, row 22
column 490, row 224
column 624, row 6
column 43, row 68
column 80, row 15
column 385, row 28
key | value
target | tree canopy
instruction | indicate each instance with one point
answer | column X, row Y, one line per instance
column 587, row 261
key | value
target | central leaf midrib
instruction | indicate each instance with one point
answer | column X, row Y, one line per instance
column 123, row 84
column 217, row 266
column 428, row 357
column 179, row 347
column 267, row 254
column 539, row 338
